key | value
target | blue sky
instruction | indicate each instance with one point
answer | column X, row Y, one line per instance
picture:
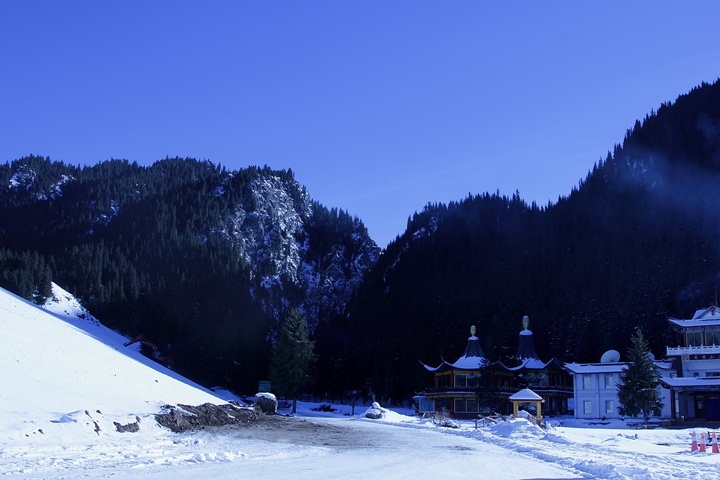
column 379, row 107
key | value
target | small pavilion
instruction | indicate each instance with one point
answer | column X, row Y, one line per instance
column 527, row 396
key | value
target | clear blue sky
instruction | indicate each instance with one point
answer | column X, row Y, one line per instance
column 379, row 107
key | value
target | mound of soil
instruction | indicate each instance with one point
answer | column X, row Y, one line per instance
column 187, row 417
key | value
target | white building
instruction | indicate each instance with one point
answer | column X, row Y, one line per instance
column 696, row 387
column 596, row 386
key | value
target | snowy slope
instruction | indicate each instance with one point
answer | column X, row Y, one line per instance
column 54, row 364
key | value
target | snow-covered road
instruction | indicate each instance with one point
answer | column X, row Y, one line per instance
column 346, row 449
column 342, row 447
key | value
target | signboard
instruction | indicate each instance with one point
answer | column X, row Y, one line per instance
column 264, row 386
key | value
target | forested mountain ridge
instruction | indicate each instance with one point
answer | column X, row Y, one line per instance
column 636, row 241
column 204, row 262
column 200, row 260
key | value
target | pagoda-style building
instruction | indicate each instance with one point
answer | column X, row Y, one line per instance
column 548, row 379
column 456, row 384
column 459, row 386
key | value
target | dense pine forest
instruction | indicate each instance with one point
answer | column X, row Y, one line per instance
column 206, row 262
column 636, row 241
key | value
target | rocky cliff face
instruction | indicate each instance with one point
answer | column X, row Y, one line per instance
column 272, row 228
column 268, row 227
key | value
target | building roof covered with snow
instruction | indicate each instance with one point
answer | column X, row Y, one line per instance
column 526, row 343
column 611, row 367
column 705, row 317
column 527, row 355
column 525, row 395
column 472, row 358
column 711, row 383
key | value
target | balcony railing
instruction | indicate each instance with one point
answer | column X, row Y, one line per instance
column 696, row 350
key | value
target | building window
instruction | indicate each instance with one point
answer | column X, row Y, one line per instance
column 609, row 406
column 537, row 379
column 587, row 406
column 587, row 382
column 467, row 381
column 469, row 405
column 609, row 380
column 693, row 339
column 442, row 405
column 426, row 404
column 712, row 337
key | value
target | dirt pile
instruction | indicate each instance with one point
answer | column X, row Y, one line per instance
column 187, row 417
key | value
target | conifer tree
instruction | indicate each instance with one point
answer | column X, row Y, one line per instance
column 638, row 391
column 293, row 357
column 487, row 391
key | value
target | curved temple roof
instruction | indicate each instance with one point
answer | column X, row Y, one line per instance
column 472, row 359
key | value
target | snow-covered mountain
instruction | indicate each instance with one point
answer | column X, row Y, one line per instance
column 202, row 261
column 62, row 370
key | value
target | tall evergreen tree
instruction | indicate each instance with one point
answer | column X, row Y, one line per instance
column 638, row 391
column 488, row 392
column 293, row 357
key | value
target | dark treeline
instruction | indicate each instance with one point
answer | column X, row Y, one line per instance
column 187, row 254
column 26, row 274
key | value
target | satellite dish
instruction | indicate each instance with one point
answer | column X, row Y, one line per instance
column 651, row 356
column 611, row 356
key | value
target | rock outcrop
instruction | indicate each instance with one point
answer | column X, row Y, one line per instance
column 375, row 412
column 267, row 403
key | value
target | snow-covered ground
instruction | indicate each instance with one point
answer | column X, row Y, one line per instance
column 65, row 380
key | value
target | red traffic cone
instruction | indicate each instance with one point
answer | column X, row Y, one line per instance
column 693, row 444
column 702, row 442
column 715, row 448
